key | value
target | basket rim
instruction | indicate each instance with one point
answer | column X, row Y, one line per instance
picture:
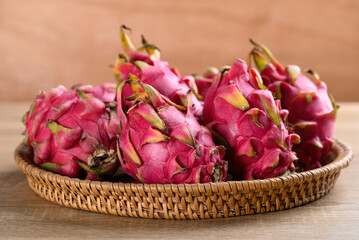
column 344, row 154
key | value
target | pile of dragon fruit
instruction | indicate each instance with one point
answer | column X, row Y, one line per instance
column 254, row 120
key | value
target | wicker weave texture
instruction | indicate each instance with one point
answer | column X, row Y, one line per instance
column 185, row 201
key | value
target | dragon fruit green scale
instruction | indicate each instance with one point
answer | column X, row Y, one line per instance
column 73, row 132
column 245, row 115
column 159, row 143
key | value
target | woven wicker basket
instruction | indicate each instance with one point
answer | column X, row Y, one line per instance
column 185, row 201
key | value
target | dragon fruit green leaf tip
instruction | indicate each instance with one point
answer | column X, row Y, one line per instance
column 240, row 109
column 162, row 142
column 73, row 132
column 145, row 63
column 312, row 110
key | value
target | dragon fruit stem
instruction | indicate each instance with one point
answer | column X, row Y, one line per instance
column 268, row 53
column 125, row 39
column 315, row 75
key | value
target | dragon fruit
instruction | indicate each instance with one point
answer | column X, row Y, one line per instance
column 312, row 110
column 160, row 143
column 73, row 132
column 242, row 113
column 145, row 63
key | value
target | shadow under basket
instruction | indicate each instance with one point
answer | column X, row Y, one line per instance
column 185, row 201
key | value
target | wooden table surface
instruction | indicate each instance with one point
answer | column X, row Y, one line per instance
column 23, row 214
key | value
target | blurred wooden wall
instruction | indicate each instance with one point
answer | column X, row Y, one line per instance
column 44, row 43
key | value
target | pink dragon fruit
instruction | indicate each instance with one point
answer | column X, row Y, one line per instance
column 73, row 132
column 204, row 81
column 312, row 111
column 246, row 116
column 161, row 144
column 145, row 64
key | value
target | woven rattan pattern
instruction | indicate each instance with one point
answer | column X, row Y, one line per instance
column 185, row 201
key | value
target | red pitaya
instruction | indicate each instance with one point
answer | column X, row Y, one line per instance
column 161, row 144
column 239, row 109
column 312, row 111
column 155, row 72
column 74, row 129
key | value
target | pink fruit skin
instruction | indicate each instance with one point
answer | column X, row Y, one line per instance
column 64, row 125
column 311, row 111
column 203, row 85
column 204, row 82
column 161, row 144
column 258, row 139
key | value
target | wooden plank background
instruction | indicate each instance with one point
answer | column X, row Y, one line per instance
column 44, row 43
